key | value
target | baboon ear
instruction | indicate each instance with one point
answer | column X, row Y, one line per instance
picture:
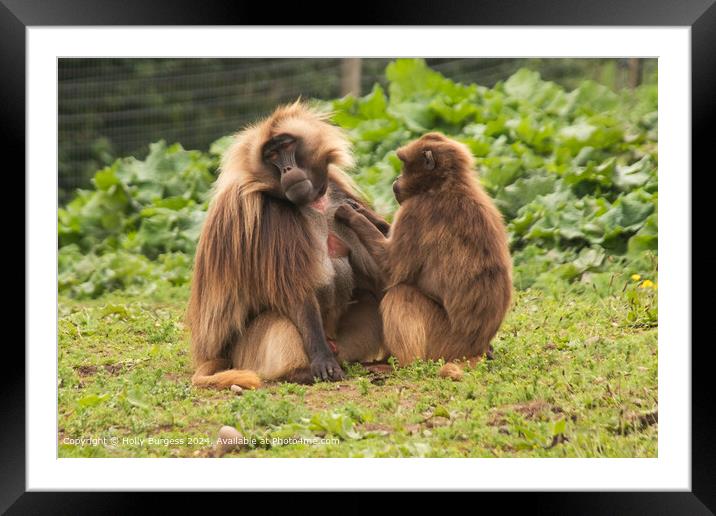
column 429, row 159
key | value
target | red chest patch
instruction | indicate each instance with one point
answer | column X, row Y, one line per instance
column 336, row 247
column 320, row 204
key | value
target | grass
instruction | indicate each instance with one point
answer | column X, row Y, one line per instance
column 575, row 375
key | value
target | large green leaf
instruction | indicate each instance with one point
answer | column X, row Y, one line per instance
column 524, row 190
column 573, row 172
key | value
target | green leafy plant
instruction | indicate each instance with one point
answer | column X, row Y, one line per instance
column 573, row 172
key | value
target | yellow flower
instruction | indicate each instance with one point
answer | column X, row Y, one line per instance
column 647, row 284
column 635, row 277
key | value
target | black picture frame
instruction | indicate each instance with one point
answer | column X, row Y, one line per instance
column 700, row 15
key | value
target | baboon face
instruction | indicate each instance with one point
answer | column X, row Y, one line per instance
column 427, row 163
column 297, row 175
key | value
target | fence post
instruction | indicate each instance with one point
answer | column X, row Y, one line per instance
column 350, row 76
column 635, row 66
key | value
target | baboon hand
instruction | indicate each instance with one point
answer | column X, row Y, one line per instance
column 353, row 203
column 350, row 209
column 327, row 368
column 346, row 211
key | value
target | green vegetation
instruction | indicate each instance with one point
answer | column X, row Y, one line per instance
column 573, row 172
column 114, row 107
column 575, row 375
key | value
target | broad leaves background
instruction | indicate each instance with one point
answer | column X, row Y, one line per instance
column 573, row 172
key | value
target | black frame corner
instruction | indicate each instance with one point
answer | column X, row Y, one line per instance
column 700, row 15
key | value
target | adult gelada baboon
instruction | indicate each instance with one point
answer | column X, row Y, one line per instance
column 278, row 285
column 446, row 260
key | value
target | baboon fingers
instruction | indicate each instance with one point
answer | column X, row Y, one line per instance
column 353, row 203
column 327, row 369
column 345, row 213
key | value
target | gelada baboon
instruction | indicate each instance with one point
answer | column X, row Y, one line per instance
column 446, row 260
column 278, row 284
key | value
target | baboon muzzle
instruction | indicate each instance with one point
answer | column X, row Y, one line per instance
column 396, row 191
column 296, row 186
column 286, row 160
column 295, row 183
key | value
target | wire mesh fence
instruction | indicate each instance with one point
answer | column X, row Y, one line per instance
column 116, row 107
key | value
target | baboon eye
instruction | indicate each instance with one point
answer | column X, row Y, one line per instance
column 277, row 145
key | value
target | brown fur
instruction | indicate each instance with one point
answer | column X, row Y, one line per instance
column 451, row 370
column 259, row 257
column 446, row 260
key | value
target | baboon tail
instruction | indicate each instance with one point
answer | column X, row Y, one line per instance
column 451, row 370
column 455, row 369
column 214, row 373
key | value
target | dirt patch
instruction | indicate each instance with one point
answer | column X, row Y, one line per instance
column 649, row 419
column 414, row 429
column 535, row 409
column 84, row 371
column 633, row 422
column 376, row 427
column 113, row 369
column 436, row 422
column 164, row 427
column 91, row 370
column 174, row 377
column 378, row 378
column 321, row 399
column 345, row 387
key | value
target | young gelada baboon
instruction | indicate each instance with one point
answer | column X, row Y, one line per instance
column 446, row 260
column 281, row 291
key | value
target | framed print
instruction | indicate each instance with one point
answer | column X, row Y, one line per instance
column 422, row 252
